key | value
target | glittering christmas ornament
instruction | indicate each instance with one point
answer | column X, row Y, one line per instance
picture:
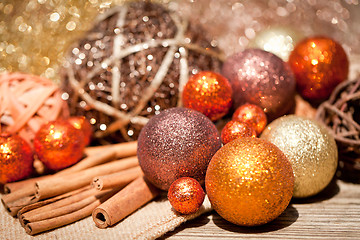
column 261, row 78
column 249, row 181
column 179, row 142
column 236, row 129
column 186, row 195
column 132, row 64
column 82, row 124
column 310, row 148
column 279, row 40
column 58, row 144
column 27, row 102
column 252, row 115
column 319, row 65
column 209, row 93
column 16, row 158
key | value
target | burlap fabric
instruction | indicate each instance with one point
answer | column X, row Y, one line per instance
column 150, row 222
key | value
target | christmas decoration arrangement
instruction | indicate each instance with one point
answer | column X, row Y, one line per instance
column 149, row 112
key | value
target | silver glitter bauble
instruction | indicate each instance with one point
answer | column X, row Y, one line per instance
column 310, row 148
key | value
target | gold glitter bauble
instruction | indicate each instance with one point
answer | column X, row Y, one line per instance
column 249, row 181
column 310, row 148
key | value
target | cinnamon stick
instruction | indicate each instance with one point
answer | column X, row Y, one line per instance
column 64, row 183
column 33, row 228
column 118, row 179
column 90, row 161
column 122, row 150
column 125, row 202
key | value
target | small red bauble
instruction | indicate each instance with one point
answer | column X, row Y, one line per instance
column 16, row 158
column 319, row 65
column 209, row 93
column 235, row 129
column 252, row 115
column 186, row 195
column 81, row 123
column 58, row 144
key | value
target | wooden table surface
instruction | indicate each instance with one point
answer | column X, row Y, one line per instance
column 332, row 214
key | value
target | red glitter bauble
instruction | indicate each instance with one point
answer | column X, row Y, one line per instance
column 252, row 115
column 16, row 158
column 261, row 78
column 236, row 129
column 58, row 144
column 319, row 65
column 209, row 93
column 179, row 142
column 186, row 195
column 82, row 124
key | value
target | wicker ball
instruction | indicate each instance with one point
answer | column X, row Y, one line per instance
column 341, row 113
column 27, row 102
column 131, row 65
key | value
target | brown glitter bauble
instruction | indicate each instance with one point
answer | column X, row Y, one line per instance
column 252, row 115
column 261, row 78
column 132, row 64
column 209, row 93
column 186, row 195
column 179, row 142
column 16, row 158
column 249, row 181
column 59, row 145
column 236, row 129
column 319, row 65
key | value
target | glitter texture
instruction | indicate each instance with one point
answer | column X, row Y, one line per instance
column 310, row 148
column 186, row 195
column 252, row 115
column 178, row 142
column 82, row 124
column 319, row 65
column 58, row 144
column 16, row 158
column 209, row 93
column 249, row 182
column 236, row 129
column 261, row 78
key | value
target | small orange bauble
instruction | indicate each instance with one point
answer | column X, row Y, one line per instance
column 16, row 158
column 81, row 123
column 249, row 181
column 252, row 115
column 186, row 195
column 319, row 65
column 58, row 144
column 235, row 129
column 209, row 93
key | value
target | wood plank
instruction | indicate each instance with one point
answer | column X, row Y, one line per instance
column 332, row 214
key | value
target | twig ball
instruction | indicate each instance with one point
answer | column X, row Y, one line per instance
column 133, row 64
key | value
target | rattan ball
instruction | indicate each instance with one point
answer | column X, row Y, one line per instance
column 27, row 102
column 341, row 113
column 133, row 64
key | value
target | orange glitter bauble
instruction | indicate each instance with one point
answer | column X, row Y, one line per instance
column 209, row 93
column 186, row 195
column 81, row 123
column 249, row 181
column 252, row 115
column 16, row 158
column 58, row 144
column 235, row 129
column 319, row 65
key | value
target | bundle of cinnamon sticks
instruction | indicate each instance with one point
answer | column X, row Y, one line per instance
column 107, row 184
